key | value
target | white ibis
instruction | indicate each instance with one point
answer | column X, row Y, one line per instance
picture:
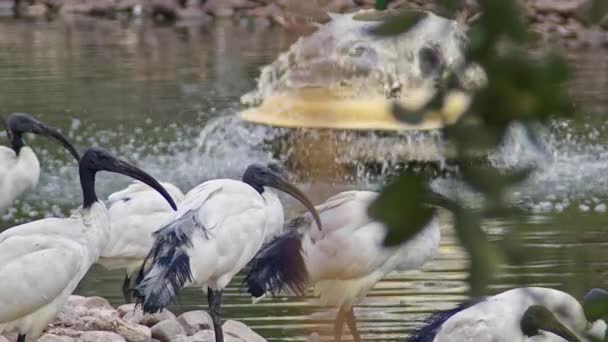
column 521, row 314
column 343, row 261
column 19, row 167
column 135, row 213
column 219, row 227
column 41, row 262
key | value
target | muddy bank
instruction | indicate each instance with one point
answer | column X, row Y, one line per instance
column 93, row 319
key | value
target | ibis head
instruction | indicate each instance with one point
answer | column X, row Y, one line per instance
column 259, row 176
column 96, row 159
column 19, row 123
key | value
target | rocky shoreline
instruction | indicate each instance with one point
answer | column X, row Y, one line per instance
column 561, row 21
column 93, row 319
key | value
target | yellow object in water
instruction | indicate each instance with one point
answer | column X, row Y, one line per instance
column 324, row 108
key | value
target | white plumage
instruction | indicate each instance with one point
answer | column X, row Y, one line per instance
column 135, row 213
column 41, row 262
column 18, row 174
column 19, row 166
column 344, row 260
column 498, row 318
column 219, row 227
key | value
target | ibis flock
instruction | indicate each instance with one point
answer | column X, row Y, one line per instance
column 166, row 240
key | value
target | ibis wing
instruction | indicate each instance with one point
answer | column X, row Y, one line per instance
column 135, row 213
column 346, row 210
column 35, row 270
column 482, row 322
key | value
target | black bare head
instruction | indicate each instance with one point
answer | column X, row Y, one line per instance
column 18, row 124
column 538, row 317
column 259, row 176
column 96, row 159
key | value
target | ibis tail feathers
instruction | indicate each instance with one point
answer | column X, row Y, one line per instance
column 279, row 266
column 166, row 269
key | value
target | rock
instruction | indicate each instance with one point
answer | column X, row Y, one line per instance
column 314, row 337
column 242, row 331
column 135, row 314
column 4, row 339
column 51, row 338
column 60, row 331
column 193, row 321
column 167, row 331
column 97, row 302
column 134, row 332
column 100, row 336
column 75, row 300
column 206, row 336
column 126, row 308
column 564, row 7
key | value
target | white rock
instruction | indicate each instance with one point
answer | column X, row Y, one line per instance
column 100, row 336
column 167, row 331
column 52, row 338
column 242, row 331
column 194, row 321
column 4, row 339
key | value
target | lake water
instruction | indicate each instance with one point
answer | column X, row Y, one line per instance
column 165, row 97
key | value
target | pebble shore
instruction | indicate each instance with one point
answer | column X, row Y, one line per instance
column 93, row 319
column 557, row 21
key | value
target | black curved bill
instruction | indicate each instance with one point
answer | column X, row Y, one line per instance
column 122, row 167
column 42, row 129
column 289, row 188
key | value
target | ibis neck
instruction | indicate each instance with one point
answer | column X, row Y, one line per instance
column 87, row 182
column 259, row 188
column 17, row 142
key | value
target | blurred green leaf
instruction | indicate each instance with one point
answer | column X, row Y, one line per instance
column 398, row 23
column 401, row 206
column 381, row 4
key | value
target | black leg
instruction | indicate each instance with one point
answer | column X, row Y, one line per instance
column 126, row 289
column 339, row 324
column 215, row 302
column 351, row 321
column 21, row 338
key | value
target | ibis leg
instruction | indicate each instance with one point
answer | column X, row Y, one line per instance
column 339, row 324
column 21, row 338
column 215, row 302
column 351, row 321
column 126, row 289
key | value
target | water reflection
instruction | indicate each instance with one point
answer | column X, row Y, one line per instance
column 165, row 97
